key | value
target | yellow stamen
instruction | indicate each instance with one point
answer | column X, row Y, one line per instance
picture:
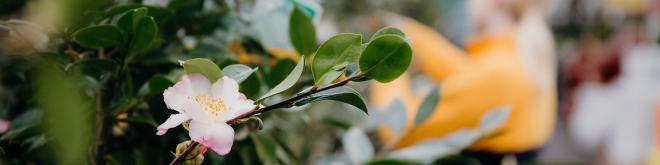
column 212, row 105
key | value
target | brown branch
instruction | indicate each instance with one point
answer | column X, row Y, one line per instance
column 180, row 157
column 288, row 103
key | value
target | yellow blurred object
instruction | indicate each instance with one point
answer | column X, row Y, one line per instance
column 489, row 75
column 628, row 6
column 246, row 58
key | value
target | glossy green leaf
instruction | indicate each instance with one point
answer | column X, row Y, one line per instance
column 334, row 55
column 385, row 58
column 99, row 36
column 301, row 32
column 203, row 66
column 428, row 105
column 128, row 21
column 343, row 94
column 266, row 148
column 238, row 72
column 357, row 146
column 289, row 81
column 387, row 30
column 145, row 34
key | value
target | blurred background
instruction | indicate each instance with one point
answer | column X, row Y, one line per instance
column 581, row 79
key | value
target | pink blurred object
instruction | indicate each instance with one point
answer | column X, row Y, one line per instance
column 4, row 125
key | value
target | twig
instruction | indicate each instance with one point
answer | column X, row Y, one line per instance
column 101, row 126
column 288, row 103
column 180, row 157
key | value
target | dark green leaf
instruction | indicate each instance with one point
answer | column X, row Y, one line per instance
column 96, row 68
column 280, row 71
column 266, row 148
column 138, row 14
column 301, row 32
column 289, row 81
column 238, row 72
column 386, row 58
column 145, row 33
column 387, row 30
column 428, row 105
column 343, row 94
column 156, row 84
column 334, row 55
column 251, row 87
column 99, row 36
column 121, row 9
column 203, row 66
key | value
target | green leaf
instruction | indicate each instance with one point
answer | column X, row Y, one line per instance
column 386, row 58
column 100, row 36
column 238, row 72
column 96, row 68
column 280, row 71
column 343, row 94
column 156, row 84
column 203, row 66
column 251, row 87
column 145, row 33
column 266, row 148
column 128, row 21
column 357, row 146
column 301, row 32
column 334, row 55
column 428, row 105
column 114, row 10
column 387, row 30
column 289, row 81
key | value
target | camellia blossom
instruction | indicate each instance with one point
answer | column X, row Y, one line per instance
column 208, row 107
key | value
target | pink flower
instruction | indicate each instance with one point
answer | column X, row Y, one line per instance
column 207, row 106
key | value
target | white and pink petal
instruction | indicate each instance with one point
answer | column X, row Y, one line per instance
column 226, row 88
column 219, row 137
column 171, row 122
column 191, row 85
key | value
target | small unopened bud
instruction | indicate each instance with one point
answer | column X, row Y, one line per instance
column 196, row 161
column 182, row 147
column 198, row 150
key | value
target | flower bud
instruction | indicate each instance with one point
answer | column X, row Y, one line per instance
column 198, row 150
column 196, row 161
column 182, row 147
